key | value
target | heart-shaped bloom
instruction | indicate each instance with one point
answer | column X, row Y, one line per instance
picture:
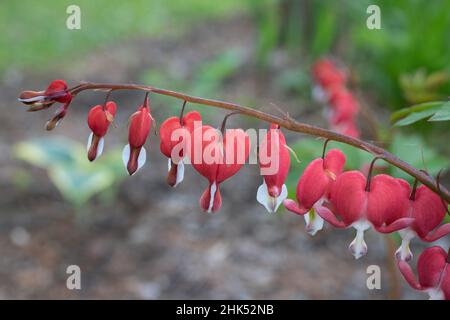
column 383, row 204
column 134, row 154
column 175, row 136
column 313, row 188
column 433, row 269
column 57, row 91
column 428, row 211
column 99, row 119
column 217, row 160
column 274, row 161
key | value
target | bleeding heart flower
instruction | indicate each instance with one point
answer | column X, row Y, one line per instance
column 327, row 74
column 134, row 154
column 38, row 100
column 313, row 188
column 169, row 143
column 273, row 157
column 344, row 106
column 217, row 160
column 99, row 119
column 428, row 211
column 381, row 203
column 434, row 273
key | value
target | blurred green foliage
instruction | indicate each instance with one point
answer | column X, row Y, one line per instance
column 69, row 169
column 433, row 111
column 34, row 33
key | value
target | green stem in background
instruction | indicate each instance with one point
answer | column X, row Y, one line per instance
column 286, row 122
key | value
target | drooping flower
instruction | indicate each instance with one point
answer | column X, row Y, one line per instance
column 99, row 119
column 428, row 211
column 57, row 91
column 381, row 203
column 313, row 188
column 327, row 76
column 274, row 159
column 134, row 154
column 433, row 269
column 183, row 131
column 344, row 106
column 217, row 160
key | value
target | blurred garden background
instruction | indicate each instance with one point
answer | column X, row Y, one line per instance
column 135, row 237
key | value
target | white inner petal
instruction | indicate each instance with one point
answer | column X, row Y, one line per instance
column 101, row 144
column 37, row 98
column 212, row 194
column 180, row 173
column 126, row 155
column 314, row 222
column 358, row 247
column 89, row 143
column 436, row 294
column 404, row 252
column 169, row 164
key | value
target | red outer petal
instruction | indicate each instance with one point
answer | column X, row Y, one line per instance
column 334, row 161
column 408, row 274
column 238, row 138
column 445, row 283
column 190, row 118
column 196, row 154
column 97, row 119
column 293, row 207
column 275, row 182
column 206, row 198
column 428, row 211
column 312, row 185
column 387, row 201
column 397, row 225
column 329, row 217
column 165, row 134
column 140, row 124
column 430, row 266
column 438, row 233
column 348, row 196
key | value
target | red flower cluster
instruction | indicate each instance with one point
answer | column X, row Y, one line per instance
column 331, row 90
column 324, row 191
column 349, row 199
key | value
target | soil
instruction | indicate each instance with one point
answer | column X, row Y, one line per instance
column 150, row 241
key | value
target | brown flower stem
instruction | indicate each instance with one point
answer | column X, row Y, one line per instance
column 286, row 122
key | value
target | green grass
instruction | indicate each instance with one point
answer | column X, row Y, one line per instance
column 34, row 33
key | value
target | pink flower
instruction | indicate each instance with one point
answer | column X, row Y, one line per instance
column 168, row 143
column 434, row 273
column 99, row 119
column 273, row 156
column 134, row 154
column 313, row 188
column 327, row 74
column 428, row 211
column 382, row 203
column 217, row 160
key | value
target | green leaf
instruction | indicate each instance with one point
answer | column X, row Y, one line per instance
column 414, row 150
column 396, row 116
column 443, row 114
column 68, row 168
column 416, row 116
